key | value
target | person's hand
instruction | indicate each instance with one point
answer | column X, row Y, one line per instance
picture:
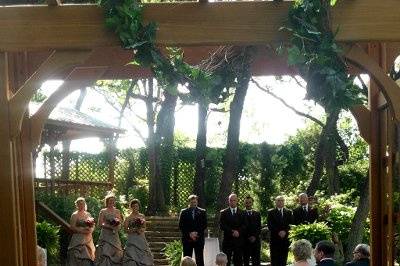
column 282, row 234
column 252, row 239
column 193, row 236
column 235, row 233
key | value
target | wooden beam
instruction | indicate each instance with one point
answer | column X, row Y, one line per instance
column 190, row 23
column 56, row 62
column 387, row 86
column 10, row 245
column 78, row 79
column 363, row 119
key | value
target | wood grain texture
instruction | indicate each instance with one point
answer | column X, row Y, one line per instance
column 185, row 24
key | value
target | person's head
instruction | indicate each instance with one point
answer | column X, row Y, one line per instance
column 361, row 251
column 248, row 202
column 135, row 205
column 80, row 204
column 221, row 259
column 233, row 200
column 324, row 249
column 193, row 201
column 280, row 201
column 301, row 249
column 109, row 200
column 303, row 199
column 187, row 261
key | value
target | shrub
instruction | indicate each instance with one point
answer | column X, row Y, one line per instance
column 314, row 232
column 173, row 252
column 48, row 238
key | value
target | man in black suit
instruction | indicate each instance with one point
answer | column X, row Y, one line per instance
column 233, row 223
column 252, row 246
column 360, row 256
column 279, row 220
column 304, row 214
column 193, row 223
column 324, row 252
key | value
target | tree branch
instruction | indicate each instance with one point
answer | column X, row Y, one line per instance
column 319, row 122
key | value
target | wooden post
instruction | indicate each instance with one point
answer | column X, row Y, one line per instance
column 10, row 246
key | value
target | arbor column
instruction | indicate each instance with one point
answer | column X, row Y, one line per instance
column 10, row 246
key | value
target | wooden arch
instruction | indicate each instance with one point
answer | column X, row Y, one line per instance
column 76, row 27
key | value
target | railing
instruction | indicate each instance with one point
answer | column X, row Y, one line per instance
column 66, row 187
column 40, row 206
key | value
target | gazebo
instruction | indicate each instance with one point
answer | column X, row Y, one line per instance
column 70, row 42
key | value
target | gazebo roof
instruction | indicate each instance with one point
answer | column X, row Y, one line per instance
column 67, row 124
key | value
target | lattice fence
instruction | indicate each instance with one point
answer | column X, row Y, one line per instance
column 85, row 174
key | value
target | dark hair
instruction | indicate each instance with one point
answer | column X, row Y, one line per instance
column 134, row 201
column 249, row 197
column 327, row 247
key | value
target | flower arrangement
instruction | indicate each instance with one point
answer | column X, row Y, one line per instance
column 137, row 223
column 114, row 222
column 90, row 222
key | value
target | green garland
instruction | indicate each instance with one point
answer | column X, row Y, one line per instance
column 318, row 57
column 125, row 18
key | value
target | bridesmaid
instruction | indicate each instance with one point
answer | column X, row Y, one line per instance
column 109, row 250
column 81, row 248
column 137, row 251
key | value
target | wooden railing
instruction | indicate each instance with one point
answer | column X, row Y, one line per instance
column 66, row 187
column 40, row 206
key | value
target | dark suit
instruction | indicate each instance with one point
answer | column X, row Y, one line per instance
column 300, row 216
column 325, row 262
column 193, row 220
column 279, row 247
column 252, row 249
column 233, row 246
column 360, row 262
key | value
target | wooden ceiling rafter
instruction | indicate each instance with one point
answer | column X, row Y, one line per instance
column 56, row 62
column 78, row 79
column 188, row 24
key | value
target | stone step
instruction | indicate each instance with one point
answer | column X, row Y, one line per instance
column 159, row 255
column 166, row 239
column 161, row 261
column 162, row 233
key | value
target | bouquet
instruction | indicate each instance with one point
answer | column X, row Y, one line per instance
column 114, row 222
column 137, row 224
column 90, row 222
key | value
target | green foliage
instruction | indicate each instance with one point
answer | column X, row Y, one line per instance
column 314, row 232
column 173, row 251
column 48, row 237
column 314, row 51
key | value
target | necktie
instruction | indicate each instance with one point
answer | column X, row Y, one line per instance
column 193, row 214
column 305, row 208
column 281, row 212
column 249, row 213
column 233, row 211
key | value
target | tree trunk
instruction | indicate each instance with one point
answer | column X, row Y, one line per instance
column 165, row 133
column 331, row 165
column 201, row 146
column 320, row 151
column 156, row 194
column 357, row 225
column 232, row 148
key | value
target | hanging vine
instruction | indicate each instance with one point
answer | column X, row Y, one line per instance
column 318, row 57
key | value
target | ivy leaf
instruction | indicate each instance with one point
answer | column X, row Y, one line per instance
column 295, row 56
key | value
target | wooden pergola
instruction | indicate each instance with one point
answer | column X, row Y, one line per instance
column 70, row 42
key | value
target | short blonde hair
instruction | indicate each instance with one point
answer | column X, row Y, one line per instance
column 108, row 197
column 81, row 199
column 221, row 259
column 187, row 261
column 301, row 249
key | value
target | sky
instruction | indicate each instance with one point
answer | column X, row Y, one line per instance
column 264, row 118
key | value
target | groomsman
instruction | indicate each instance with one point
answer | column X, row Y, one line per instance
column 233, row 223
column 252, row 246
column 279, row 219
column 304, row 214
column 193, row 223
